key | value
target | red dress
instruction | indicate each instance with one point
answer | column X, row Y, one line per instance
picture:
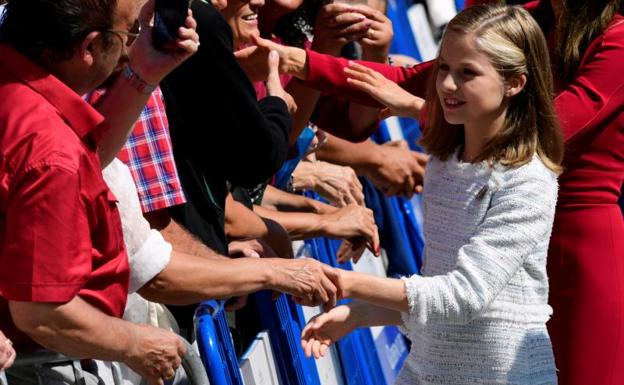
column 586, row 256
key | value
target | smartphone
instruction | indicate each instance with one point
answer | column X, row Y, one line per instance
column 169, row 16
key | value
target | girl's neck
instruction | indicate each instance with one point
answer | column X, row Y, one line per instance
column 477, row 135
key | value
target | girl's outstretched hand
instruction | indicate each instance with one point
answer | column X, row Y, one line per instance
column 327, row 328
column 385, row 91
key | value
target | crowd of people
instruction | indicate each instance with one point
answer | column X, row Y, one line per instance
column 138, row 181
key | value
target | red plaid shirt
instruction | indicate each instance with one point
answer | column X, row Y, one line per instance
column 149, row 155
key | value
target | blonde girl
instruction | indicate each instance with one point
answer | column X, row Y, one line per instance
column 478, row 313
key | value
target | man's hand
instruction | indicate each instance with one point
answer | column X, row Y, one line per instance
column 396, row 170
column 353, row 222
column 153, row 65
column 156, row 354
column 7, row 353
column 337, row 184
column 336, row 25
column 310, row 282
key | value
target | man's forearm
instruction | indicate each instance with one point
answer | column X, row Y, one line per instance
column 206, row 279
column 184, row 242
column 359, row 156
column 277, row 199
column 75, row 329
column 121, row 106
column 298, row 225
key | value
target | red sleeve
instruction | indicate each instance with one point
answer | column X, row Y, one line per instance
column 597, row 92
column 46, row 251
column 326, row 73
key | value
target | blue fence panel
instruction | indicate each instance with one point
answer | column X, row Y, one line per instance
column 215, row 344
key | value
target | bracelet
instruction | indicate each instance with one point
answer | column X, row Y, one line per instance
column 139, row 84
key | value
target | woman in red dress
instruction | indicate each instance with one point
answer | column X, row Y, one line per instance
column 586, row 256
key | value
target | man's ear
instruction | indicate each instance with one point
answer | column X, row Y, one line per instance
column 88, row 47
column 515, row 85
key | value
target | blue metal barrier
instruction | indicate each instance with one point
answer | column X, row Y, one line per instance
column 215, row 344
column 283, row 319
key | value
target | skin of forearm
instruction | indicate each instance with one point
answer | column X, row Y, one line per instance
column 121, row 106
column 388, row 293
column 306, row 99
column 295, row 62
column 277, row 199
column 75, row 329
column 184, row 242
column 189, row 279
column 298, row 225
column 367, row 315
column 242, row 223
column 359, row 156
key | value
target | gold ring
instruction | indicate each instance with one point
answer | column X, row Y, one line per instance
column 370, row 33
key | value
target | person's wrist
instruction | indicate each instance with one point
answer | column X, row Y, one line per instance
column 137, row 81
column 357, row 315
column 296, row 62
column 376, row 54
column 270, row 276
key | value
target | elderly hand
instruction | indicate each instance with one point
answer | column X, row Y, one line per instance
column 337, row 184
column 377, row 39
column 310, row 282
column 7, row 353
column 396, row 170
column 336, row 25
column 385, row 91
column 153, row 65
column 156, row 354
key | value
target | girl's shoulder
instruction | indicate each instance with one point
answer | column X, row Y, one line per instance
column 533, row 178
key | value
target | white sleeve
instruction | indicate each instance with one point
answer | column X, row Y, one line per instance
column 148, row 252
column 519, row 217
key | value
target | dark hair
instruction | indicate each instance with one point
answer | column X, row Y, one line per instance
column 54, row 27
column 580, row 23
column 294, row 28
column 515, row 45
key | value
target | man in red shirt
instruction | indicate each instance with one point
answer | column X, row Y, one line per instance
column 63, row 265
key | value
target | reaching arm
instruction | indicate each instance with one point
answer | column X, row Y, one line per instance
column 520, row 216
column 123, row 102
column 79, row 330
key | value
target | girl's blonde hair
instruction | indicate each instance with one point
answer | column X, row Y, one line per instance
column 515, row 45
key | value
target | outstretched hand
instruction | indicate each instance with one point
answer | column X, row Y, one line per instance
column 385, row 91
column 326, row 329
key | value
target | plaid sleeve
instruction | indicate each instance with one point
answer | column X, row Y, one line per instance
column 149, row 155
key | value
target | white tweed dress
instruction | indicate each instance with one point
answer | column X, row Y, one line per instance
column 478, row 314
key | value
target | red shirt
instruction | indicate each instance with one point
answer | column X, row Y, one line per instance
column 148, row 153
column 60, row 231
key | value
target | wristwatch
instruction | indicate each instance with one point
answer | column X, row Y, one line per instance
column 139, row 84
